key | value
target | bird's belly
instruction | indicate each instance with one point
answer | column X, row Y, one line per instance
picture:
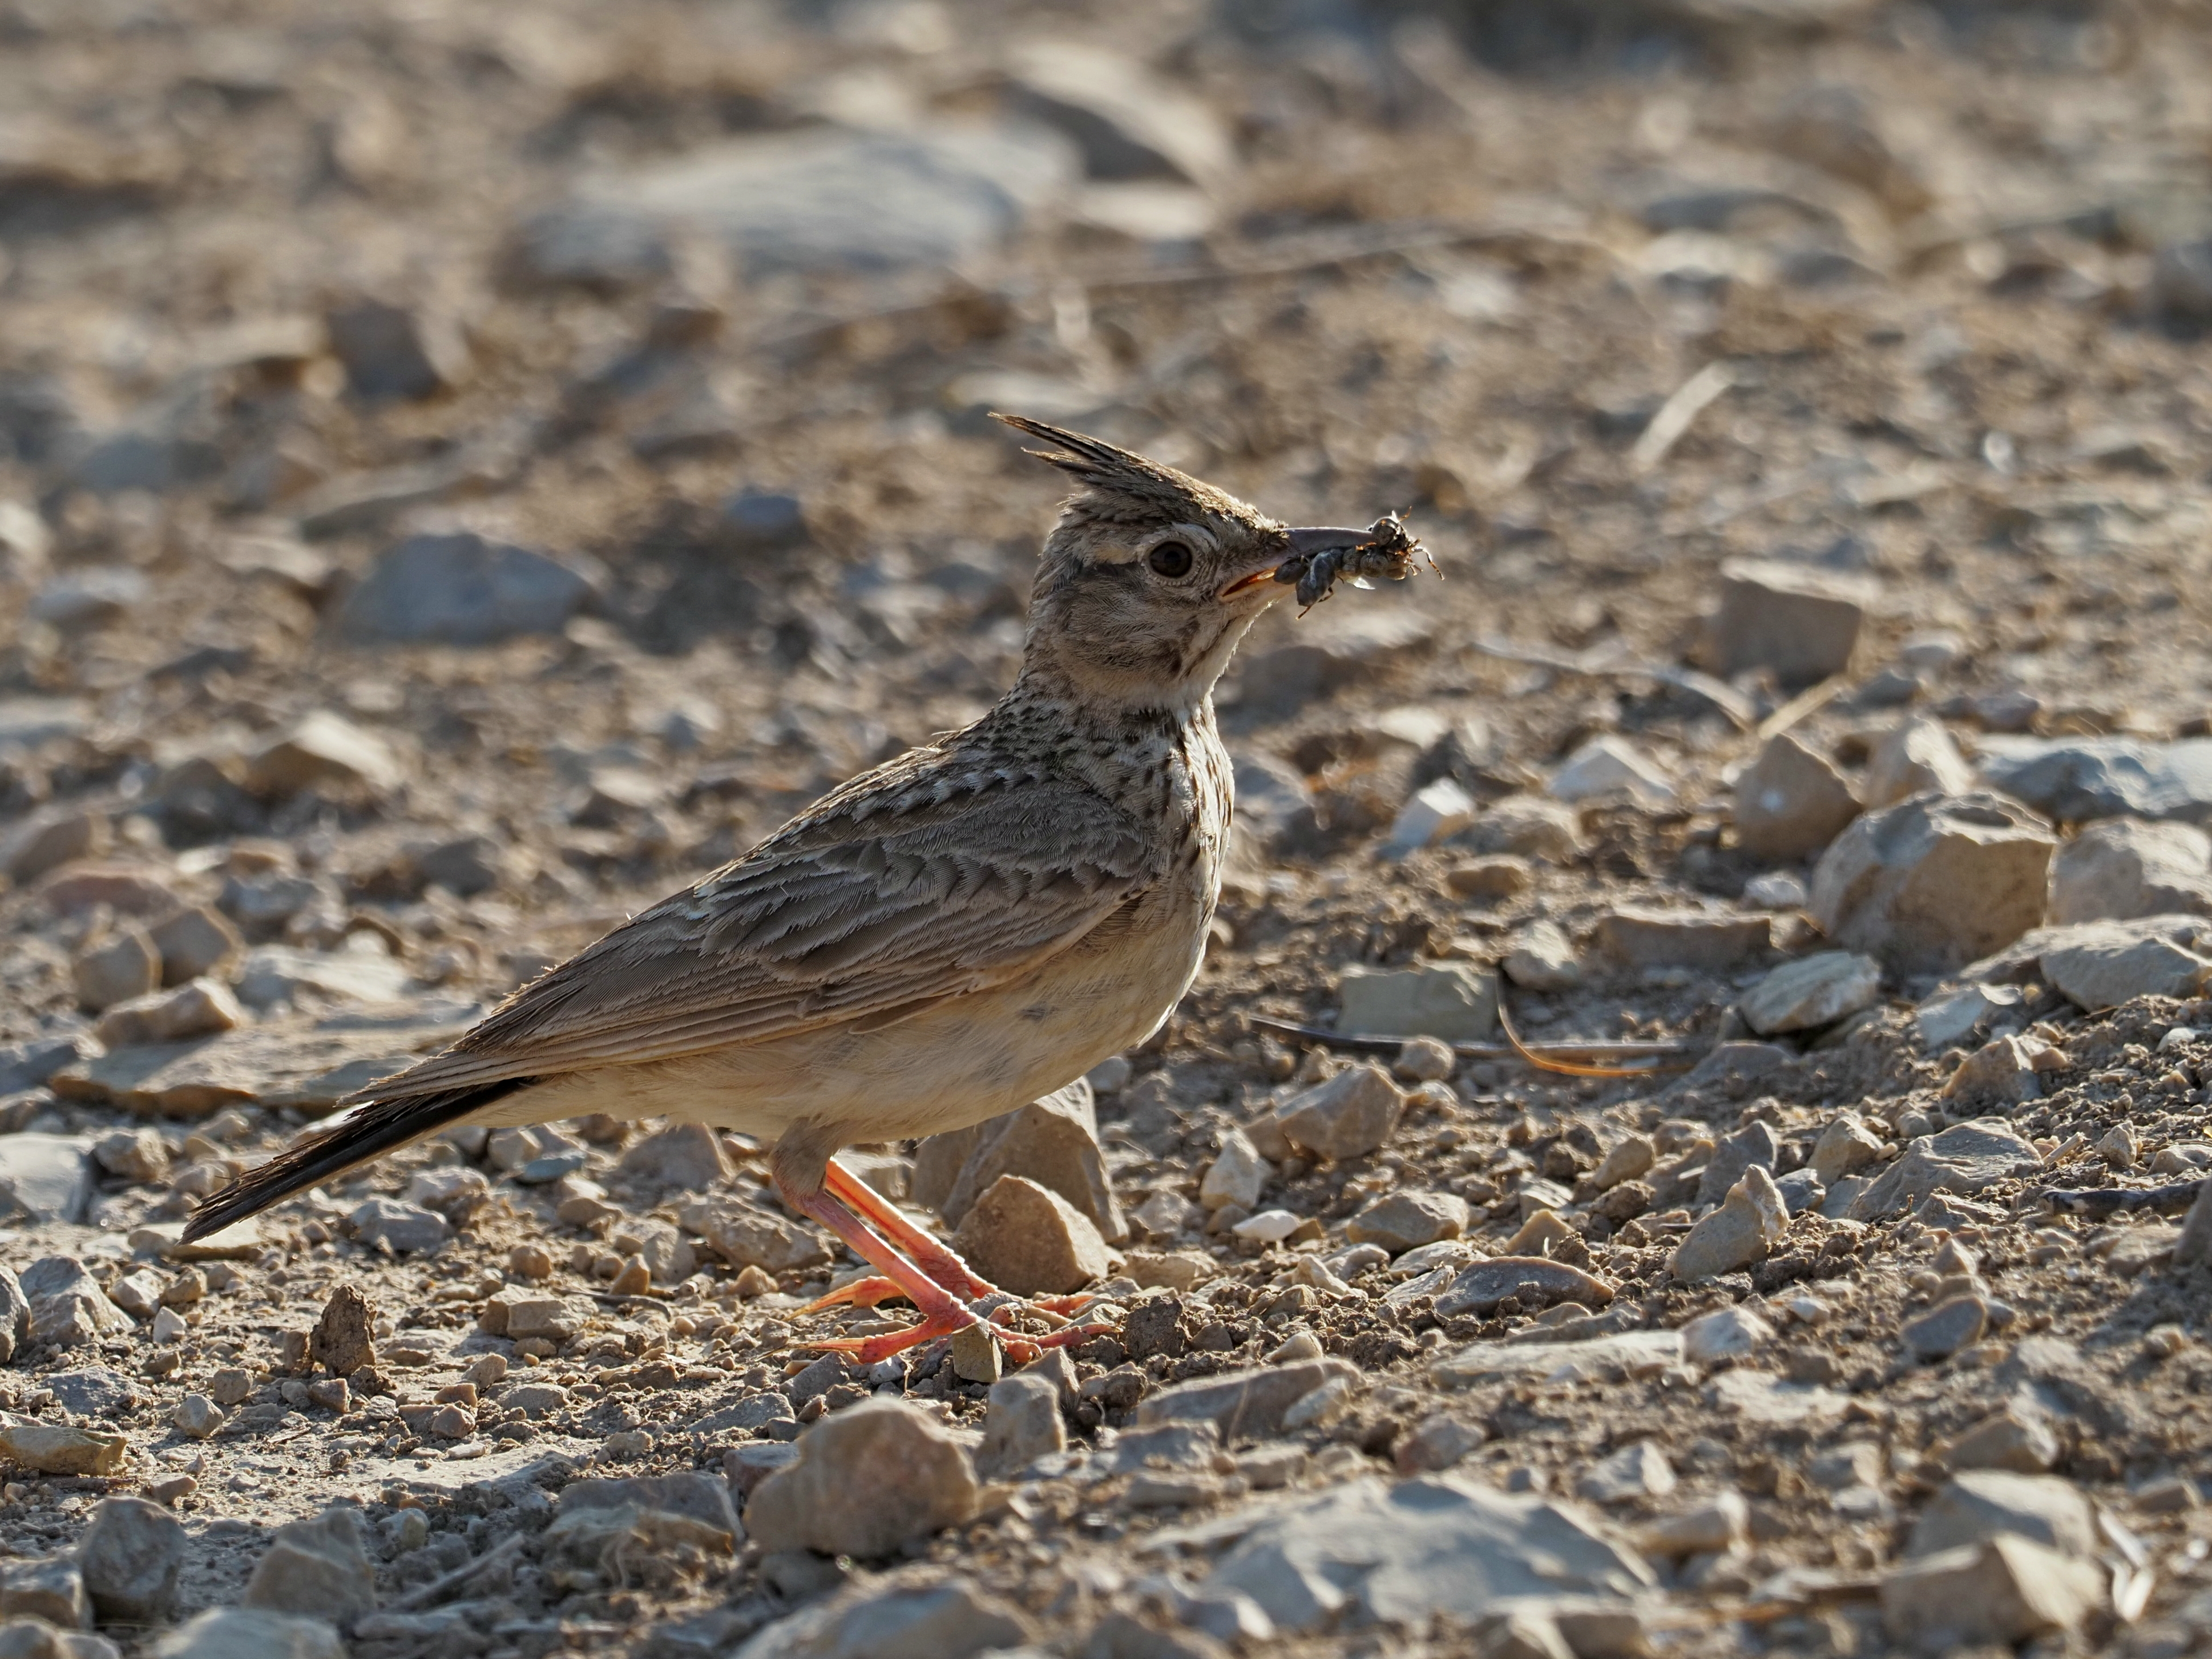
column 956, row 1063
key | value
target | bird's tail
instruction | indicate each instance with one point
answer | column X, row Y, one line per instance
column 377, row 1127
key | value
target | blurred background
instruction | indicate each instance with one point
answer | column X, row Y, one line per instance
column 579, row 411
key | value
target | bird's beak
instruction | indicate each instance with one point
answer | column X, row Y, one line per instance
column 1303, row 544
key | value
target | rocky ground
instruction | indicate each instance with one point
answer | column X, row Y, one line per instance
column 466, row 469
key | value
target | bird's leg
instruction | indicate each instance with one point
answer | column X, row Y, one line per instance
column 935, row 1259
column 941, row 1313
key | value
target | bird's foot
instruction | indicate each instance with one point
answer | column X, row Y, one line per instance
column 860, row 1293
column 870, row 1350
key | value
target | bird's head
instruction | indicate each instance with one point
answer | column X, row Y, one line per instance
column 1150, row 578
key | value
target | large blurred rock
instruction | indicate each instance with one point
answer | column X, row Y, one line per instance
column 2101, row 965
column 1934, row 881
column 2074, row 780
column 1275, row 809
column 461, row 589
column 2124, row 867
column 1917, row 758
column 1053, row 1141
column 397, row 351
column 868, row 1480
column 1790, row 802
column 822, row 199
column 317, row 1566
column 1128, row 122
column 1798, row 620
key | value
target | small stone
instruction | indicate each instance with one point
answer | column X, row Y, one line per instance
column 1754, row 1145
column 1021, row 1425
column 1798, row 620
column 2003, row 1590
column 1528, row 827
column 1846, row 1146
column 2124, row 868
column 1175, row 1270
column 1933, row 882
column 251, row 1633
column 1917, row 757
column 1625, row 1160
column 396, row 351
column 2010, row 1441
column 462, row 589
column 122, row 966
column 400, row 1227
column 1436, row 810
column 1436, row 1443
column 2101, row 965
column 198, row 942
column 1812, row 992
column 317, row 1565
column 197, row 1417
column 1637, row 1470
column 197, row 1008
column 1026, row 1238
column 172, row 1490
column 1609, row 766
column 1731, row 1333
column 686, row 1157
column 138, row 1155
column 95, row 1391
column 946, row 1618
column 1351, row 1114
column 1503, row 876
column 46, row 841
column 54, row 1449
column 1529, row 1280
column 1425, row 1060
column 130, row 1555
column 66, row 1306
column 1456, row 1002
column 45, row 1586
column 1791, row 802
column 1748, row 1224
column 343, row 1340
column 231, row 1386
column 1950, row 1017
column 1238, row 1174
column 1402, row 1221
column 866, row 1480
column 1243, row 1404
column 1777, row 890
column 324, row 752
column 2119, row 1147
column 1720, row 1523
column 1985, row 1504
column 2003, row 1071
column 1542, row 958
column 1053, row 1140
column 2173, row 1494
column 1644, row 937
column 44, row 1177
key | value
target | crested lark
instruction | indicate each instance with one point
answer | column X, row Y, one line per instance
column 949, row 936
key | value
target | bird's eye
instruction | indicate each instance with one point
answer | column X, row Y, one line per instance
column 1171, row 560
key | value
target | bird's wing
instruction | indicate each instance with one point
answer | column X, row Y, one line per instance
column 881, row 899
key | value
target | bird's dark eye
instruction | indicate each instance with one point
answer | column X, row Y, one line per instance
column 1170, row 559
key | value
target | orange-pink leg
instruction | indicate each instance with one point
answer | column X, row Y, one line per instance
column 941, row 1315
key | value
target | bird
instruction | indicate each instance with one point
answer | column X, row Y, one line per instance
column 968, row 926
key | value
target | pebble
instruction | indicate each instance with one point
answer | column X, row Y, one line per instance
column 1238, row 1174
column 1742, row 1231
column 1607, row 767
column 1269, row 1226
column 1242, row 1404
column 45, row 1586
column 130, row 1555
column 95, row 1391
column 1950, row 1017
column 2101, row 965
column 1503, row 876
column 1812, row 992
column 1721, row 1523
column 685, row 1156
column 1644, row 937
column 198, row 942
column 2011, row 1440
column 318, row 1565
column 1424, row 1060
column 326, row 752
column 1731, row 1333
column 866, row 1480
column 1028, row 1239
column 1933, row 882
column 45, row 1177
column 2004, row 1590
column 342, row 1339
column 1964, row 1158
column 1946, row 1328
column 1979, row 1504
column 1435, row 811
column 46, row 841
column 1021, row 1425
column 1791, row 802
column 1846, row 1146
column 462, row 589
column 2124, row 868
column 2077, row 780
column 396, row 351
column 197, row 1008
column 1527, row 827
column 1406, row 1220
column 948, row 1618
column 1753, row 1145
column 1436, row 1443
column 1917, row 758
column 250, row 1633
column 1637, row 1470
column 66, row 1306
column 119, row 968
column 1800, row 621
column 1625, row 1160
column 197, row 1417
column 1456, row 1001
column 1351, row 1114
column 1530, row 1278
column 1542, row 958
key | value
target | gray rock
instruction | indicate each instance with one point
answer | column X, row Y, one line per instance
column 1243, row 1405
column 1985, row 1504
column 130, row 1556
column 1274, row 808
column 1742, row 1231
column 197, row 1008
column 1798, row 620
column 701, row 1497
column 2074, row 780
column 2181, row 280
column 827, row 198
column 1053, row 1141
column 1128, row 120
column 15, row 1314
column 1405, row 1221
column 1633, row 1353
column 1965, row 1159
column 45, row 1586
column 1791, row 802
column 94, row 596
column 1542, row 959
column 2123, row 868
column 1846, row 1145
column 461, row 589
column 68, row 1307
column 249, row 1633
column 95, row 1391
column 1947, row 1327
column 1801, row 1192
column 1173, row 1446
column 684, row 1155
column 867, row 1479
column 1369, row 1552
column 2101, row 965
column 1637, row 1470
column 28, row 1064
column 1916, row 758
column 1352, row 1113
column 397, row 351
column 1934, row 881
column 1812, row 992
column 1754, row 1144
column 1950, row 1017
column 272, row 974
column 747, row 1237
column 394, row 1225
column 45, row 840
column 45, row 1177
column 318, row 1565
column 115, row 970
column 1527, row 826
column 1481, row 1286
column 323, row 751
column 1647, row 937
column 1456, row 1002
column 1021, row 1425
column 1731, row 1333
column 948, row 1618
column 1028, row 1239
column 2000, row 1592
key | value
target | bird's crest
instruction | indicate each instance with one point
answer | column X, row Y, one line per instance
column 1123, row 475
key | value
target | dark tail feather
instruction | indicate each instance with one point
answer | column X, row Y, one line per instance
column 377, row 1129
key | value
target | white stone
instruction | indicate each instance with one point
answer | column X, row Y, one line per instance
column 1731, row 1333
column 1607, row 766
column 1437, row 810
column 1812, row 992
column 1238, row 1174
